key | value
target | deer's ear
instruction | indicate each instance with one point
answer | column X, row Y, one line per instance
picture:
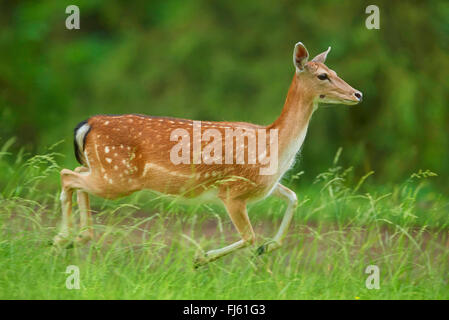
column 322, row 56
column 300, row 56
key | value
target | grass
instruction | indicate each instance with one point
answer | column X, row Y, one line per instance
column 145, row 243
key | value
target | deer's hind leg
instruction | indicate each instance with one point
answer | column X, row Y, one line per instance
column 63, row 236
column 70, row 181
column 86, row 230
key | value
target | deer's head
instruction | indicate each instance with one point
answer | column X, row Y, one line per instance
column 323, row 82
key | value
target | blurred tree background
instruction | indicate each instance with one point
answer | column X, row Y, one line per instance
column 231, row 60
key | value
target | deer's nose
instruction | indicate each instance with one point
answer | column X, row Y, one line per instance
column 358, row 95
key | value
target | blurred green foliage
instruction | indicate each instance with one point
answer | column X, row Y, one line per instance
column 231, row 60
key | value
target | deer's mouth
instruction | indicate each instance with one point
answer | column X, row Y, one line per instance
column 350, row 102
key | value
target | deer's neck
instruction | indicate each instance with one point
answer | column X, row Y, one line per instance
column 293, row 122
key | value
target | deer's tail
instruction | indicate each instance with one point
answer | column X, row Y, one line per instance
column 80, row 133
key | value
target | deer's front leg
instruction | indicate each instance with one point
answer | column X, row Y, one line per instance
column 239, row 216
column 289, row 196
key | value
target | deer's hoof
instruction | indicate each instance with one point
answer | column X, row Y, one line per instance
column 83, row 238
column 200, row 260
column 261, row 250
column 267, row 247
column 61, row 241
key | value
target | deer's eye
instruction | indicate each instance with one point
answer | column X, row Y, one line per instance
column 323, row 76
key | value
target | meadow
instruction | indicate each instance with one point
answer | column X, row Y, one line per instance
column 145, row 243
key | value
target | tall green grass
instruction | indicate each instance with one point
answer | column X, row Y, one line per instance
column 145, row 243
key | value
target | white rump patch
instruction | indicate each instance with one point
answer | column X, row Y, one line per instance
column 80, row 134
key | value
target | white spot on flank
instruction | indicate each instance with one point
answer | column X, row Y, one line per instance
column 110, row 181
column 108, row 160
column 145, row 170
column 115, row 167
column 106, row 123
column 106, row 149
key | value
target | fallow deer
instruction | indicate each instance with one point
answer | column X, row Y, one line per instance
column 121, row 154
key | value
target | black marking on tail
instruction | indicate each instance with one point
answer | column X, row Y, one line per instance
column 78, row 153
